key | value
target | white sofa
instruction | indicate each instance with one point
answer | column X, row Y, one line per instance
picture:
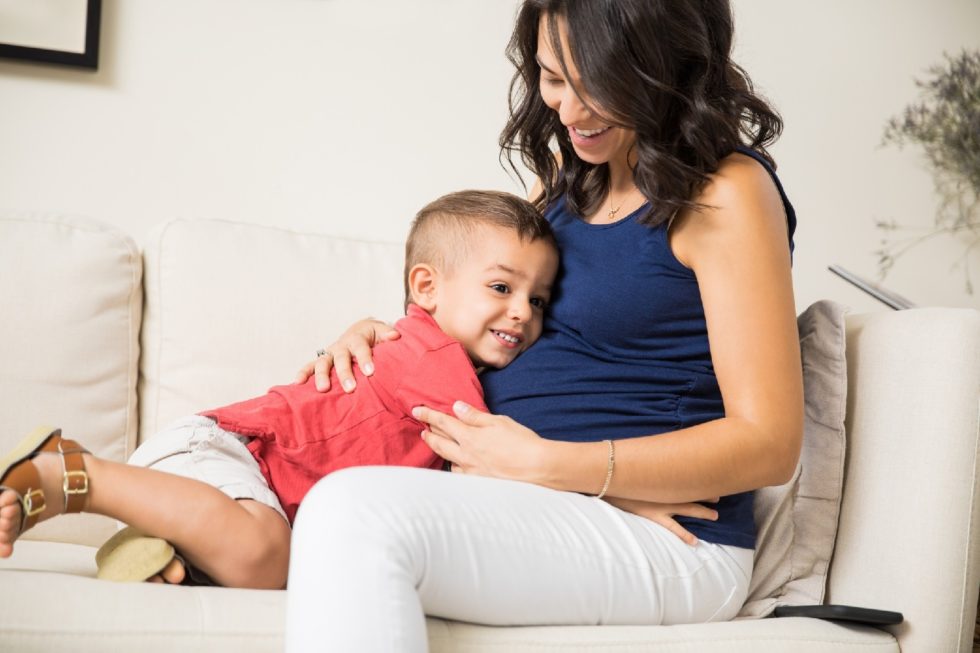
column 110, row 342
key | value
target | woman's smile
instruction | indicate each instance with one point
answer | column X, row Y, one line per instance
column 587, row 137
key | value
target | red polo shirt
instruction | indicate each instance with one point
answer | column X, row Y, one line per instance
column 301, row 435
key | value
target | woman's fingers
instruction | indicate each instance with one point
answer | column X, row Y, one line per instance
column 445, row 448
column 321, row 372
column 440, row 423
column 686, row 536
column 664, row 514
column 341, row 358
column 305, row 372
column 695, row 510
column 442, row 435
column 354, row 346
column 471, row 416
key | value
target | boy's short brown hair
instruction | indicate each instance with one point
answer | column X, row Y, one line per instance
column 441, row 233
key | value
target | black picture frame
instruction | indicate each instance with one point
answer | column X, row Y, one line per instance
column 88, row 58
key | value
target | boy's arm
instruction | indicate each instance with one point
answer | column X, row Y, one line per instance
column 437, row 379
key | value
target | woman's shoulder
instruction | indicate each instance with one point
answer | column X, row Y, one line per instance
column 740, row 201
column 740, row 179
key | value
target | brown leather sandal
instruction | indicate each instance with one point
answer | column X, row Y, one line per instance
column 18, row 473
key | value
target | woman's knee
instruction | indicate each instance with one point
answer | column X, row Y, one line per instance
column 339, row 497
column 351, row 504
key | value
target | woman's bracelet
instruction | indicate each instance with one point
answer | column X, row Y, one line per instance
column 610, row 465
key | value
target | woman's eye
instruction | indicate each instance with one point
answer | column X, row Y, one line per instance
column 552, row 81
column 501, row 288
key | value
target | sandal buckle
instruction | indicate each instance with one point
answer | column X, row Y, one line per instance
column 29, row 501
column 67, row 483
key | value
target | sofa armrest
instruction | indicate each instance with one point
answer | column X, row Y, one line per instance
column 907, row 539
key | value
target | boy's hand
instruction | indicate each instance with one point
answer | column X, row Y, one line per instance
column 664, row 513
column 354, row 345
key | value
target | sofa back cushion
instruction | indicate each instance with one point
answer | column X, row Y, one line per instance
column 233, row 309
column 69, row 342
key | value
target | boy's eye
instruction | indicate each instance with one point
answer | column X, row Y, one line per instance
column 501, row 288
column 539, row 302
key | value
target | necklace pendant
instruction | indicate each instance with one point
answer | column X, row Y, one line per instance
column 612, row 214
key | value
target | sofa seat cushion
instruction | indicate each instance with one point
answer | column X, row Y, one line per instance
column 59, row 605
column 798, row 635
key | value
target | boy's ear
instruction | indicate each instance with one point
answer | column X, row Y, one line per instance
column 423, row 283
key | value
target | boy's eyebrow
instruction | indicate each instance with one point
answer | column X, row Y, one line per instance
column 506, row 268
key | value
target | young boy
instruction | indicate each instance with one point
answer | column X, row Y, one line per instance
column 222, row 487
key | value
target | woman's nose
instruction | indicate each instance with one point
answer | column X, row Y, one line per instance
column 572, row 109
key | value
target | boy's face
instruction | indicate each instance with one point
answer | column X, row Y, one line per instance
column 493, row 301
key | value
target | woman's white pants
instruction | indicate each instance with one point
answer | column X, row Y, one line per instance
column 376, row 548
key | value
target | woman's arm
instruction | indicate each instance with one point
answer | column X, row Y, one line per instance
column 739, row 252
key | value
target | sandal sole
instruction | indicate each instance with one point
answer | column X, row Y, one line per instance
column 27, row 446
column 130, row 556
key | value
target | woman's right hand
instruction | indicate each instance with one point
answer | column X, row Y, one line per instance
column 354, row 345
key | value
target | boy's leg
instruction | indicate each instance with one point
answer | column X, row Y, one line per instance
column 197, row 448
column 237, row 543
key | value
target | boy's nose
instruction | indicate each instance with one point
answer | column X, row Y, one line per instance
column 520, row 310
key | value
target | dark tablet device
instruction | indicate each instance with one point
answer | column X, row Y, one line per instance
column 886, row 297
column 842, row 613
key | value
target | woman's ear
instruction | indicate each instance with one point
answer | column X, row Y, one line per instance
column 423, row 283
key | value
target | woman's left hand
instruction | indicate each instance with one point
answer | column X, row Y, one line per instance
column 665, row 513
column 475, row 442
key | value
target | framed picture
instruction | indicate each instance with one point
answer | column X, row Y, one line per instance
column 53, row 31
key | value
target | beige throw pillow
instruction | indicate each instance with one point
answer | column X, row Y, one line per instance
column 797, row 522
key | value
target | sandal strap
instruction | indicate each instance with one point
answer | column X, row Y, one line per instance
column 24, row 478
column 75, row 481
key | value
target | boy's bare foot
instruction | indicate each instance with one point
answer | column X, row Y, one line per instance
column 11, row 510
column 9, row 522
column 172, row 574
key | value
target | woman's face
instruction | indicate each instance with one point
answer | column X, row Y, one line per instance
column 594, row 139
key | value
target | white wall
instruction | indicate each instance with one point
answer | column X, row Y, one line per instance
column 838, row 70
column 345, row 116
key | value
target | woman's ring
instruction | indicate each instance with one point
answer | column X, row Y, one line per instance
column 321, row 352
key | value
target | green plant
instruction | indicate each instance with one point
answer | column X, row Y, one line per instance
column 946, row 124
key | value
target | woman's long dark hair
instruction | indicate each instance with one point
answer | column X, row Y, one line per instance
column 660, row 67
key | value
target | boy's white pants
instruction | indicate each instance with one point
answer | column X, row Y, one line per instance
column 376, row 548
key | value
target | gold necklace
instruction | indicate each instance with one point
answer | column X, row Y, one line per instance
column 611, row 215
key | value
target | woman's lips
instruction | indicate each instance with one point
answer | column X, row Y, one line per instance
column 587, row 137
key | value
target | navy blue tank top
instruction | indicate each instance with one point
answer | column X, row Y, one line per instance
column 624, row 352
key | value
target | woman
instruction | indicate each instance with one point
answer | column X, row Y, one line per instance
column 668, row 373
